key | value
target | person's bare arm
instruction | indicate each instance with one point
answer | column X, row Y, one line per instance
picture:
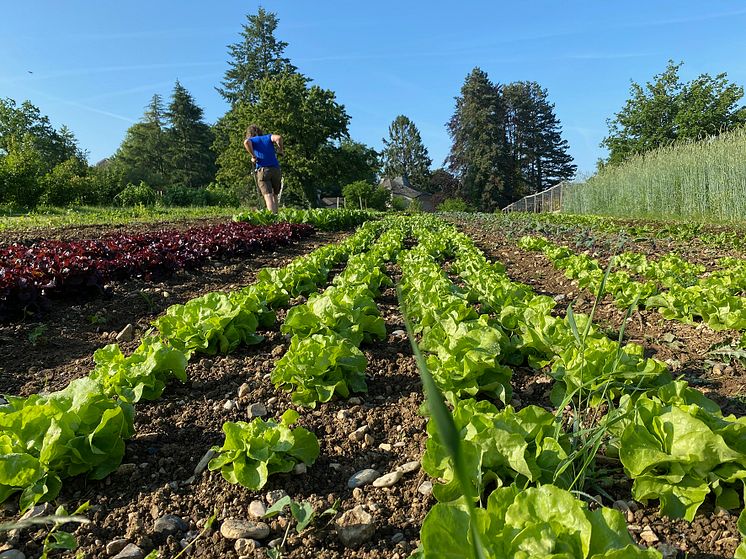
column 247, row 146
column 277, row 139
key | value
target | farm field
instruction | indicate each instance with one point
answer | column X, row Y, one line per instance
column 546, row 398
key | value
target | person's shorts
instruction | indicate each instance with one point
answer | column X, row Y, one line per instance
column 269, row 180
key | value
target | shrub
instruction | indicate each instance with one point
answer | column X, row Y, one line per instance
column 66, row 184
column 137, row 195
column 454, row 205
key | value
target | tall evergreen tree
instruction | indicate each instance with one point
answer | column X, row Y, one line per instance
column 142, row 154
column 258, row 55
column 191, row 161
column 538, row 157
column 404, row 154
column 478, row 141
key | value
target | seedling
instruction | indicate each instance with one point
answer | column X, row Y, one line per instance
column 36, row 336
column 303, row 514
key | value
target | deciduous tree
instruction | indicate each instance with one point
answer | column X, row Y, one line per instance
column 667, row 109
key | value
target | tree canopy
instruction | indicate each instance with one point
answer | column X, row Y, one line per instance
column 404, row 154
column 307, row 117
column 258, row 55
column 667, row 110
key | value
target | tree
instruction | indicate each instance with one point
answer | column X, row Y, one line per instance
column 190, row 160
column 478, row 145
column 444, row 183
column 666, row 110
column 143, row 152
column 25, row 125
column 404, row 154
column 258, row 55
column 308, row 118
column 365, row 195
column 537, row 153
column 351, row 161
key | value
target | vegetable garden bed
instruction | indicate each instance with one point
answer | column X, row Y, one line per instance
column 380, row 429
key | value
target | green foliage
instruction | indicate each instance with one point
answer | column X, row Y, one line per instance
column 254, row 451
column 190, row 161
column 398, row 204
column 66, row 184
column 351, row 161
column 507, row 141
column 499, row 447
column 364, row 195
column 215, row 322
column 454, row 205
column 667, row 110
column 308, row 118
column 349, row 311
column 318, row 367
column 143, row 154
column 678, row 447
column 404, row 154
column 142, row 375
column 701, row 181
column 25, row 125
column 258, row 55
column 536, row 522
column 20, row 169
column 44, row 438
column 137, row 195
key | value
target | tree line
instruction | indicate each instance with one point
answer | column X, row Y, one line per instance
column 506, row 140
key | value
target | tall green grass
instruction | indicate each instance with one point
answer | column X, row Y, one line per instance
column 704, row 180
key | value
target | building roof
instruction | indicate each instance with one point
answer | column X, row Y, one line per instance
column 399, row 186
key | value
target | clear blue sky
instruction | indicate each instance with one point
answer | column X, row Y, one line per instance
column 96, row 64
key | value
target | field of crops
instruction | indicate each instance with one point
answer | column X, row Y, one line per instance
column 258, row 389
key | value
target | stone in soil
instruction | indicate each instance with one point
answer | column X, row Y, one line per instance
column 273, row 496
column 355, row 527
column 245, row 546
column 131, row 551
column 257, row 509
column 169, row 525
column 127, row 334
column 115, row 546
column 425, row 488
column 409, row 467
column 200, row 467
column 388, row 480
column 235, row 529
column 256, row 410
column 12, row 554
column 363, row 477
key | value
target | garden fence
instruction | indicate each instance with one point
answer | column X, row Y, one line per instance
column 549, row 200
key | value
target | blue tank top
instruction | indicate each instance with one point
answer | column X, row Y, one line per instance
column 264, row 151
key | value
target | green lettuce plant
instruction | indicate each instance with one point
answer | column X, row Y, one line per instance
column 254, row 451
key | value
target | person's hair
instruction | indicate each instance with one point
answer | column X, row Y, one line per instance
column 254, row 130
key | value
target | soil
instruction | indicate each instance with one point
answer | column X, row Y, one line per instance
column 174, row 433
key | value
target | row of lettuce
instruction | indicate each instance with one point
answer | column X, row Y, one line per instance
column 81, row 429
column 592, row 227
column 677, row 289
column 674, row 444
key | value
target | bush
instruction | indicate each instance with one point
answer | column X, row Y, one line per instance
column 66, row 184
column 414, row 207
column 140, row 195
column 20, row 169
column 364, row 195
column 399, row 204
column 454, row 205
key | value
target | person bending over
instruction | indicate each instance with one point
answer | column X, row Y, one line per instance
column 267, row 172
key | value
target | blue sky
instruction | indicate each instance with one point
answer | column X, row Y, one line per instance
column 95, row 65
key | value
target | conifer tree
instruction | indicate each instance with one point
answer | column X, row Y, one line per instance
column 191, row 161
column 404, row 154
column 258, row 55
column 142, row 154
